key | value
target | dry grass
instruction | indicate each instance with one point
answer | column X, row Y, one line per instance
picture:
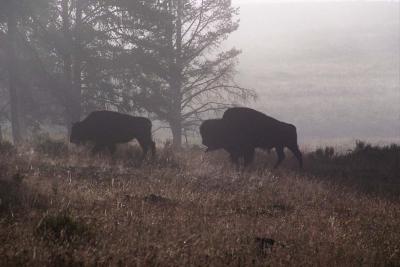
column 188, row 209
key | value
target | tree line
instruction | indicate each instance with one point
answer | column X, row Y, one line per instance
column 61, row 59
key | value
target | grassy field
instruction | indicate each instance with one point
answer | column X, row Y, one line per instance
column 60, row 206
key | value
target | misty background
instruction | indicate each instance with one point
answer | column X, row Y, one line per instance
column 330, row 68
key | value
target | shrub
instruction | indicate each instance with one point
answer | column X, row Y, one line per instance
column 10, row 195
column 128, row 152
column 6, row 147
column 324, row 153
column 48, row 146
column 365, row 165
column 62, row 228
column 167, row 157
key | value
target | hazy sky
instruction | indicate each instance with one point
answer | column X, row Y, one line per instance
column 332, row 69
column 268, row 1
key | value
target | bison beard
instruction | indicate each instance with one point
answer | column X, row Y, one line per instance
column 241, row 130
column 107, row 128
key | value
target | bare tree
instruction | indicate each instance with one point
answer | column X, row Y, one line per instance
column 171, row 61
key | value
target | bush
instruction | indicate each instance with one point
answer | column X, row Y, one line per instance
column 128, row 152
column 16, row 195
column 10, row 193
column 6, row 147
column 48, row 146
column 365, row 165
column 62, row 228
column 167, row 156
column 323, row 153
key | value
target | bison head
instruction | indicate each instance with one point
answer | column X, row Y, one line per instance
column 77, row 134
column 213, row 134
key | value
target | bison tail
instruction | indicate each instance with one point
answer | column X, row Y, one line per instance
column 153, row 148
column 152, row 143
column 290, row 135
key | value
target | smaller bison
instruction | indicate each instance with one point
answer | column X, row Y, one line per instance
column 216, row 134
column 242, row 130
column 107, row 128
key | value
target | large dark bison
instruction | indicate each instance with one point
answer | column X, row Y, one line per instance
column 213, row 134
column 216, row 134
column 107, row 128
column 241, row 130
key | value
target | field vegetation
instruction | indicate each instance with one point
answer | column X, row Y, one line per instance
column 62, row 206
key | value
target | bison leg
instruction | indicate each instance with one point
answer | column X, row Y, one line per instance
column 98, row 148
column 296, row 152
column 111, row 148
column 145, row 147
column 234, row 157
column 281, row 155
column 249, row 157
column 153, row 148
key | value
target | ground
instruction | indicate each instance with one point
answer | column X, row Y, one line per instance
column 62, row 206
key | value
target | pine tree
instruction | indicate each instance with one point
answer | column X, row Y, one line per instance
column 170, row 59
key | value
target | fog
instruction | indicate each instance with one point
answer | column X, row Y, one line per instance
column 330, row 68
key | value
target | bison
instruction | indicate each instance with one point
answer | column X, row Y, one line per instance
column 242, row 130
column 216, row 134
column 213, row 134
column 107, row 128
column 255, row 129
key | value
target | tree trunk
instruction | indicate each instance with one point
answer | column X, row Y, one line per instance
column 176, row 128
column 176, row 81
column 13, row 75
column 77, row 65
column 67, row 68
